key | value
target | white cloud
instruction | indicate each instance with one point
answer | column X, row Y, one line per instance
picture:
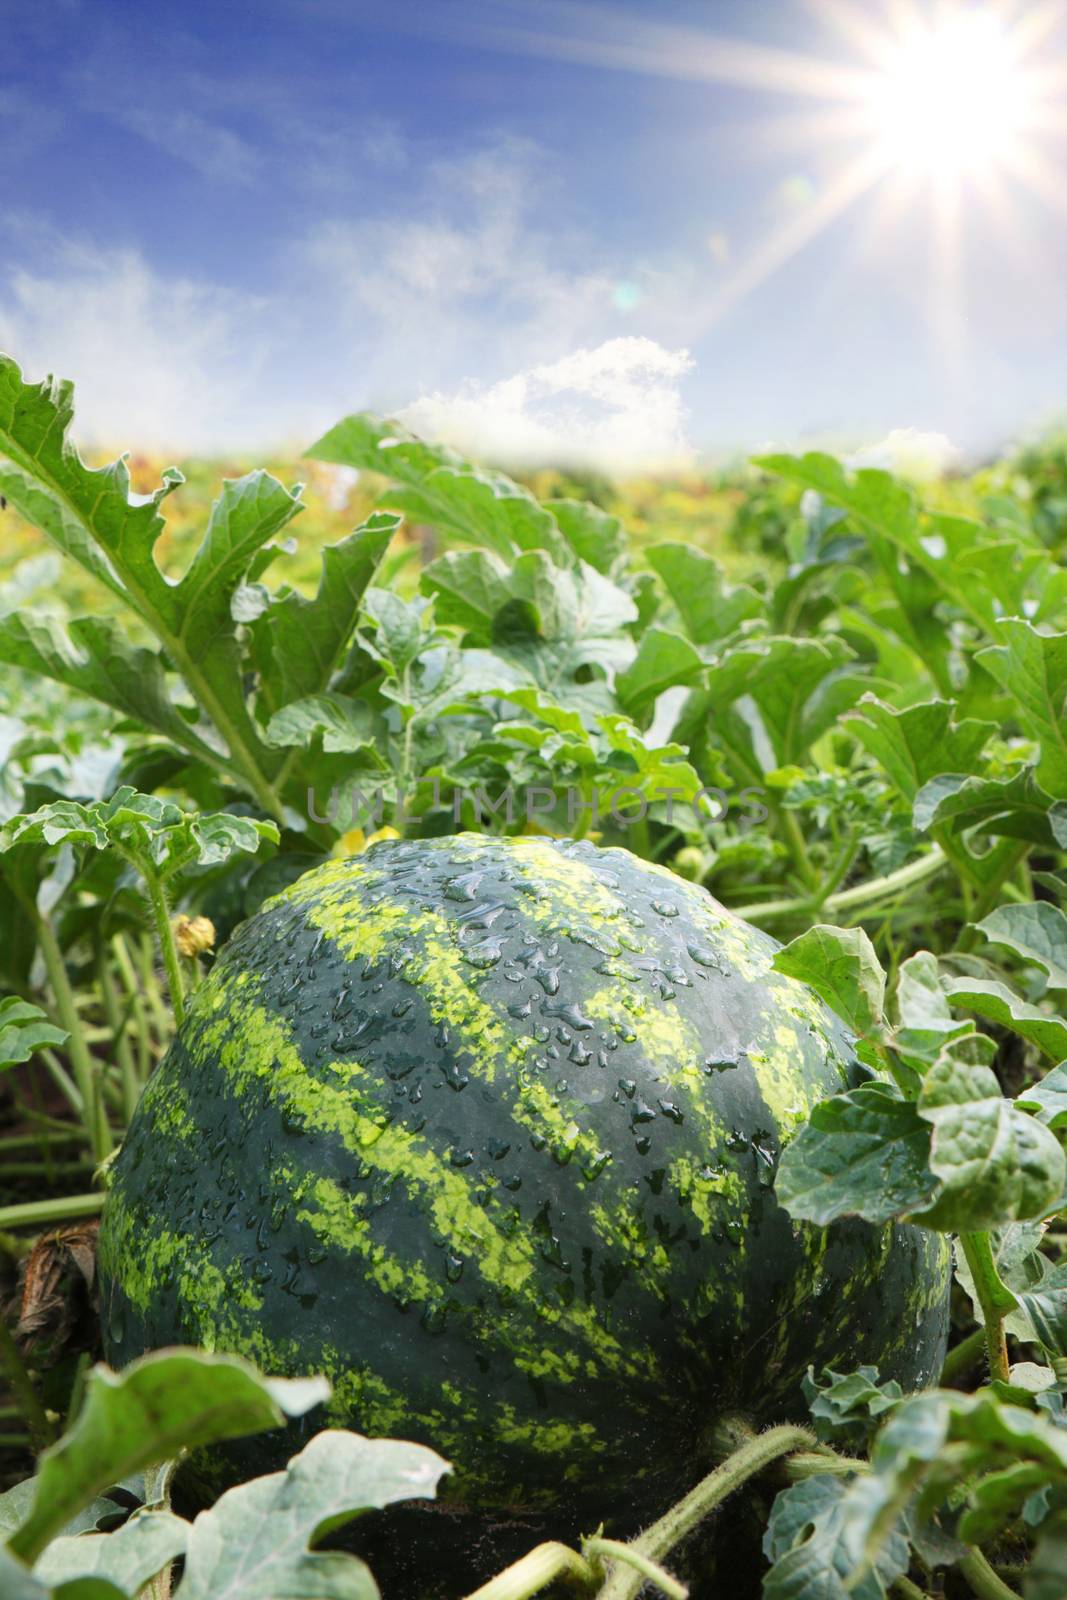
column 157, row 362
column 428, row 309
column 215, row 151
column 463, row 285
column 910, row 453
column 617, row 407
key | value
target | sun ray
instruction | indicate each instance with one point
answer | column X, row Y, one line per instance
column 851, row 182
column 872, row 39
column 948, row 306
column 599, row 35
column 947, row 103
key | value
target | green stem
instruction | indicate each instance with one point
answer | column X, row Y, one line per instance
column 140, row 1021
column 798, row 847
column 995, row 1299
column 41, row 1213
column 171, row 962
column 26, row 1396
column 660, row 1539
column 864, row 894
column 908, row 1590
column 85, row 1068
column 117, row 1023
column 63, row 1081
column 540, row 1567
column 595, row 1549
column 983, row 1580
column 963, row 1358
column 35, row 1141
column 55, row 1169
column 992, row 891
column 812, row 1464
column 151, row 989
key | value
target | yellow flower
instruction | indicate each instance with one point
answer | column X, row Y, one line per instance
column 194, row 935
column 355, row 841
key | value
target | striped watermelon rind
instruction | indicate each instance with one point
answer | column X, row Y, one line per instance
column 485, row 1130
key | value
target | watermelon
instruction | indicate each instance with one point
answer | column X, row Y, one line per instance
column 486, row 1131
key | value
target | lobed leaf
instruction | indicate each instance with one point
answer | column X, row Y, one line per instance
column 253, row 1543
column 840, row 964
column 159, row 1404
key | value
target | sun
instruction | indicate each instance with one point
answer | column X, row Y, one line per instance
column 946, row 115
column 953, row 96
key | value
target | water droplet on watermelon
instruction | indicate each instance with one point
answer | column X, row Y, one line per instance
column 453, row 1268
column 665, row 908
column 462, row 1158
column 593, row 1168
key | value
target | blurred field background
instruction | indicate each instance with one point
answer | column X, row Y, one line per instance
column 748, row 521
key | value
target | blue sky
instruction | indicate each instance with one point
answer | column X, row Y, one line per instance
column 542, row 226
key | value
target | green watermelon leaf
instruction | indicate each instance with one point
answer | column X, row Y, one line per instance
column 918, row 743
column 1031, row 665
column 935, row 1442
column 94, row 657
column 157, row 835
column 1048, row 1098
column 441, row 489
column 594, row 535
column 159, row 1404
column 860, row 1154
column 840, row 964
column 17, row 1583
column 24, row 1028
column 995, row 1001
column 254, row 1541
column 769, row 699
column 1037, row 932
column 664, row 660
column 298, row 642
column 129, row 1558
column 1015, row 807
column 710, row 608
column 1045, row 1304
column 345, row 724
column 811, row 1541
column 847, row 1407
column 996, row 1164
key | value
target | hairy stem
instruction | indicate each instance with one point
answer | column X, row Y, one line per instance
column 995, row 1299
column 165, row 934
column 535, row 1571
column 963, row 1358
column 983, row 1580
column 864, row 894
column 906, row 1590
column 660, row 1539
column 595, row 1549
